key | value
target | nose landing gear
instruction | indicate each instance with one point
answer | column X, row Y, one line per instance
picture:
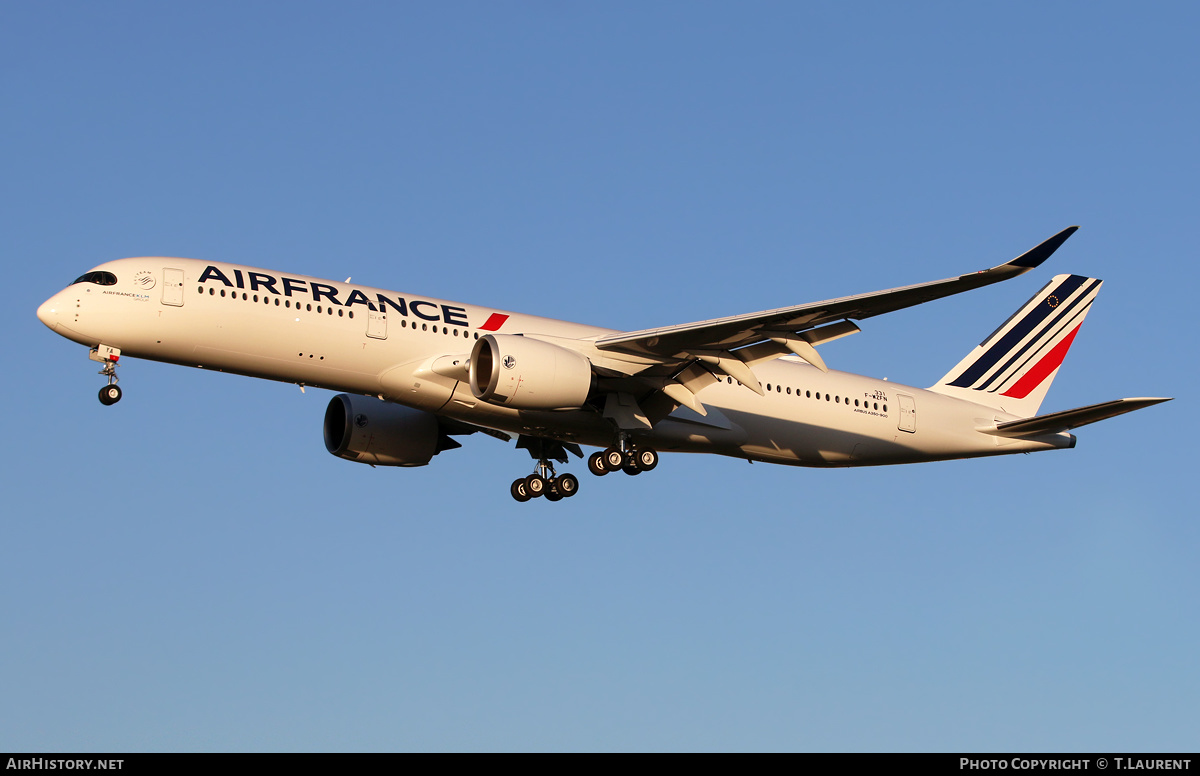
column 111, row 393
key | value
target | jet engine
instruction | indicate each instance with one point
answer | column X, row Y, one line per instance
column 528, row 374
column 367, row 430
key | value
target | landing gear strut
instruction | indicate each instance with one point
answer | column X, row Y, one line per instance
column 111, row 393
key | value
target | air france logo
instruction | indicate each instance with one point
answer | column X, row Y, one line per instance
column 144, row 280
column 509, row 362
column 265, row 283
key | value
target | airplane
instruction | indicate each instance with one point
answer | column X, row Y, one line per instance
column 413, row 371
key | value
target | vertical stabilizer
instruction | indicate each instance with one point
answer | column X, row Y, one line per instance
column 1013, row 368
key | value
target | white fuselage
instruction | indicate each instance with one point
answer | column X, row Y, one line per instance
column 361, row 340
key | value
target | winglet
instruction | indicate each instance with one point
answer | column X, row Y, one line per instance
column 1035, row 256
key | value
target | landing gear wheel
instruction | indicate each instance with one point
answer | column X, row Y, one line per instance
column 110, row 394
column 535, row 485
column 613, row 459
column 646, row 459
column 631, row 469
column 518, row 490
column 552, row 494
column 596, row 464
column 567, row 485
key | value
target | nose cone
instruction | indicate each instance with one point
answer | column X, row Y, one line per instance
column 48, row 313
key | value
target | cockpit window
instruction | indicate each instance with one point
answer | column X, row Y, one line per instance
column 99, row 278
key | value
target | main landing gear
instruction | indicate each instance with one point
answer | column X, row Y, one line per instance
column 543, row 482
column 111, row 393
column 631, row 460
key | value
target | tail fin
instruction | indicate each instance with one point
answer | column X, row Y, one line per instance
column 1012, row 369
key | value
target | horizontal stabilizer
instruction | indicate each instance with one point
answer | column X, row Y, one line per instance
column 1069, row 419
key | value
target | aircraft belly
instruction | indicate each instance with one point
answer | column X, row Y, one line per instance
column 685, row 436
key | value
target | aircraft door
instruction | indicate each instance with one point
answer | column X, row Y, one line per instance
column 377, row 324
column 908, row 413
column 172, row 287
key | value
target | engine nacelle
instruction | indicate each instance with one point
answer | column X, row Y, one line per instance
column 367, row 430
column 528, row 374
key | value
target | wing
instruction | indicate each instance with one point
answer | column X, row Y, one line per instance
column 676, row 362
column 737, row 331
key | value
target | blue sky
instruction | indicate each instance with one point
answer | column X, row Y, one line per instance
column 191, row 570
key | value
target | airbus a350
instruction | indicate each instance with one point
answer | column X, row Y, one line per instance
column 414, row 372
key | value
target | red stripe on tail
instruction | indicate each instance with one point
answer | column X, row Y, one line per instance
column 1042, row 369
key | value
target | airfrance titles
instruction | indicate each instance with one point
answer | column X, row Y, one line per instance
column 261, row 282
